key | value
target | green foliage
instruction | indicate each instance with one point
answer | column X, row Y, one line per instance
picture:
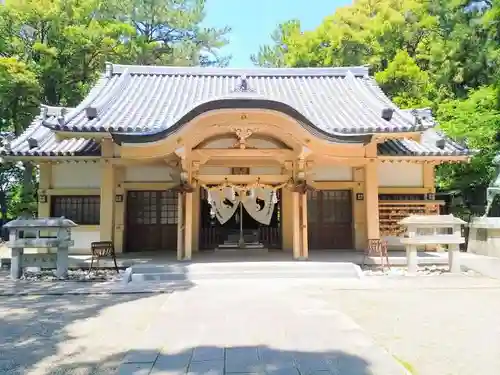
column 19, row 91
column 169, row 33
column 274, row 55
column 475, row 120
column 409, row 85
column 407, row 365
column 424, row 53
column 66, row 42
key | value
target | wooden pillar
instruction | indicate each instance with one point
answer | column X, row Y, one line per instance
column 180, row 226
column 119, row 217
column 286, row 220
column 305, row 244
column 107, row 201
column 44, row 184
column 188, row 241
column 196, row 219
column 371, row 198
column 359, row 209
column 296, row 225
column 429, row 177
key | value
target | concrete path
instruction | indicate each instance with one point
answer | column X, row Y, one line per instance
column 254, row 327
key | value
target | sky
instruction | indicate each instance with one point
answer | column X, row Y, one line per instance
column 253, row 21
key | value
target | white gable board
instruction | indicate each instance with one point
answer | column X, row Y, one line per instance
column 331, row 173
column 76, row 175
column 400, row 175
column 144, row 173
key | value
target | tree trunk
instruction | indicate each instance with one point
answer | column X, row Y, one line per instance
column 27, row 192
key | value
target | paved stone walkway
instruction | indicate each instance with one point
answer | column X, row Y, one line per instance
column 254, row 328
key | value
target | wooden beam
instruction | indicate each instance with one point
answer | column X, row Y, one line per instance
column 405, row 190
column 333, row 185
column 149, row 185
column 242, row 179
column 216, row 153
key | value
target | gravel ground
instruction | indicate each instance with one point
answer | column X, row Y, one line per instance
column 77, row 335
column 74, row 275
column 442, row 325
column 403, row 271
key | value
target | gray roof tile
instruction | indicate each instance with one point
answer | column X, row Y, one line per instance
column 428, row 146
column 44, row 142
column 149, row 99
column 47, row 144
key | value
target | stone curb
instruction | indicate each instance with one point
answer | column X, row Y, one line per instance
column 82, row 293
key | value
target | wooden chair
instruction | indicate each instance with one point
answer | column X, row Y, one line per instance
column 102, row 249
column 377, row 248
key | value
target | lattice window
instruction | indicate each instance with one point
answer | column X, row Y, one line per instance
column 83, row 210
column 168, row 207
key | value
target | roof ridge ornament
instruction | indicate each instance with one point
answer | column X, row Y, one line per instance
column 349, row 74
column 109, row 70
column 387, row 113
column 44, row 111
column 61, row 118
column 243, row 86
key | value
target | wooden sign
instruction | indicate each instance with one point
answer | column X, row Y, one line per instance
column 240, row 171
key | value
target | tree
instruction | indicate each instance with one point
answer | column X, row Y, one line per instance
column 19, row 91
column 168, row 32
column 409, row 85
column 66, row 42
column 274, row 55
column 475, row 121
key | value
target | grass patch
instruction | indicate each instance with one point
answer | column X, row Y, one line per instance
column 408, row 366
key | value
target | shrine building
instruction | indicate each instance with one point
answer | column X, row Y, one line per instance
column 188, row 159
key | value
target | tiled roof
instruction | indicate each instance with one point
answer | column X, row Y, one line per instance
column 38, row 140
column 432, row 143
column 152, row 99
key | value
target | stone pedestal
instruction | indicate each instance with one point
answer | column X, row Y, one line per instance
column 62, row 262
column 42, row 233
column 434, row 230
column 454, row 258
column 411, row 259
column 484, row 236
column 16, row 268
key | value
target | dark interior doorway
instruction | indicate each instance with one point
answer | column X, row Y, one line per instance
column 213, row 233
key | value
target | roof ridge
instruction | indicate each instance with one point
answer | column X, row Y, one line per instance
column 87, row 101
column 50, row 111
column 358, row 71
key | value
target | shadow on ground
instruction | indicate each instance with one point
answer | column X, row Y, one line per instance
column 47, row 325
column 213, row 360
